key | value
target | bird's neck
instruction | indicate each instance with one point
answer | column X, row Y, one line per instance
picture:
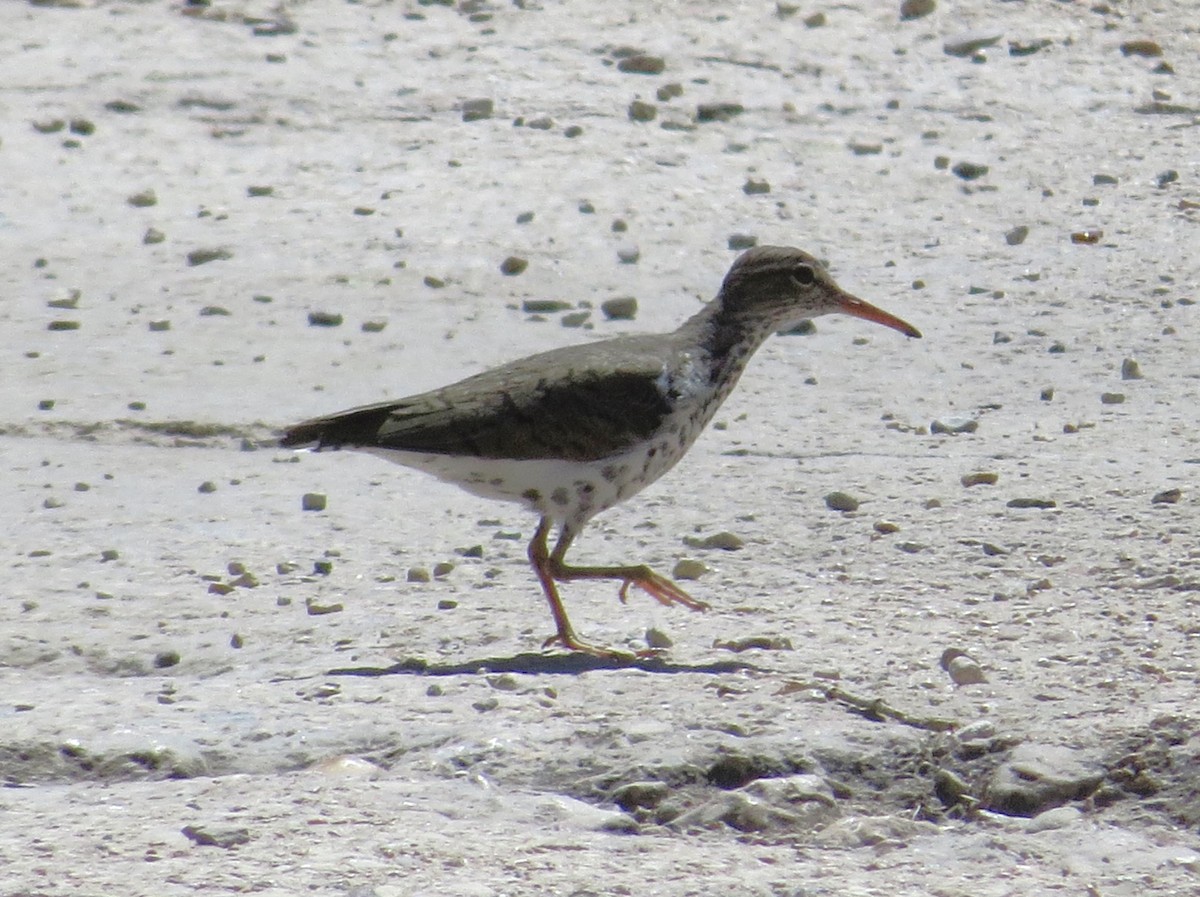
column 727, row 341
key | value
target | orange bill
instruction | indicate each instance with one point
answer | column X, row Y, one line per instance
column 859, row 308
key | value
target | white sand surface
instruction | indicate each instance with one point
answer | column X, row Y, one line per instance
column 345, row 731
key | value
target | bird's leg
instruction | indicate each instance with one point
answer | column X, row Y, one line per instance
column 539, row 558
column 653, row 584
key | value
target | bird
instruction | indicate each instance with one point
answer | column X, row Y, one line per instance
column 573, row 431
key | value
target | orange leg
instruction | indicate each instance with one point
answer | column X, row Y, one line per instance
column 550, row 568
column 655, row 585
column 539, row 557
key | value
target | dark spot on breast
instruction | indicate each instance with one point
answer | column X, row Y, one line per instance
column 532, row 495
column 560, row 497
column 496, row 481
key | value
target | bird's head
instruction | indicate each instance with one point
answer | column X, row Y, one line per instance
column 776, row 287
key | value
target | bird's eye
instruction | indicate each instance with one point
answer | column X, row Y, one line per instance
column 803, row 275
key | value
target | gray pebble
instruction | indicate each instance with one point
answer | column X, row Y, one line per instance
column 152, row 236
column 914, row 9
column 1130, row 370
column 708, row 112
column 886, row 527
column 224, row 836
column 1017, row 235
column 642, row 64
column 954, row 425
column 313, row 501
column 474, row 110
column 142, row 199
column 513, row 265
column 980, row 478
column 1112, row 398
column 544, row 306
column 841, row 501
column 640, row 110
column 669, row 92
column 629, row 255
column 575, row 318
column 742, row 241
column 621, row 308
column 970, row 43
column 969, row 171
column 724, row 540
column 689, row 568
column 207, row 487
column 324, row 319
column 1167, row 497
column 204, row 256
column 753, row 187
column 417, row 574
column 1039, row 503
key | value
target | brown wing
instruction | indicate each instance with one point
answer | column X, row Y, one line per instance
column 580, row 403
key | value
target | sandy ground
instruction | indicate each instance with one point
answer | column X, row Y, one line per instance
column 208, row 689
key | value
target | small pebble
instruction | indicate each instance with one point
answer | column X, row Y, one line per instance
column 447, row 604
column 445, row 568
column 60, row 326
column 969, row 171
column 1017, row 235
column 142, row 199
column 544, row 306
column 841, row 501
column 725, row 541
column 152, row 236
column 418, row 574
column 915, row 9
column 642, row 64
column 1167, row 497
column 374, row 325
column 1112, row 398
column 319, row 610
column 669, row 92
column 708, row 112
column 954, row 425
column 640, row 110
column 865, row 148
column 575, row 318
column 474, row 110
column 1130, row 370
column 513, row 265
column 742, row 241
column 1147, row 48
column 1028, row 47
column 313, row 501
column 204, row 256
column 658, row 640
column 324, row 319
column 981, row 478
column 753, row 187
column 628, row 255
column 109, row 554
column 1090, row 236
column 622, row 308
column 206, row 487
column 963, row 669
column 158, row 326
column 886, row 527
column 1040, row 503
column 755, row 642
column 166, row 659
column 969, row 44
column 689, row 568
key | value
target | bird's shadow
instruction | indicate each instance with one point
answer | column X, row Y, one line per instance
column 546, row 664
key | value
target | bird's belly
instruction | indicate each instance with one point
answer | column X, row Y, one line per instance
column 560, row 489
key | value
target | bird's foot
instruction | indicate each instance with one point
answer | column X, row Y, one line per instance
column 572, row 642
column 660, row 589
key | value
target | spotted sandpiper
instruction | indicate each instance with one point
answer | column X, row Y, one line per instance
column 571, row 432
